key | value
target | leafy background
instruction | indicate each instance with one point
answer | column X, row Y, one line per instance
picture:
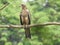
column 41, row 11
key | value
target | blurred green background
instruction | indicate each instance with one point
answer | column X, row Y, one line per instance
column 41, row 11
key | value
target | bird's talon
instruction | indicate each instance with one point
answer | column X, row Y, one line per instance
column 26, row 26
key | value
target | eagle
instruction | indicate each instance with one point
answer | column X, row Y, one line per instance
column 25, row 20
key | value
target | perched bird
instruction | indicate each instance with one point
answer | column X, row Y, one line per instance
column 25, row 20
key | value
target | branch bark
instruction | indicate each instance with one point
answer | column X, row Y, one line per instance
column 32, row 25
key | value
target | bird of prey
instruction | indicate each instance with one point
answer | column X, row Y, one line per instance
column 25, row 20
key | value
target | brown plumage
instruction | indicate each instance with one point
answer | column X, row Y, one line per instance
column 25, row 20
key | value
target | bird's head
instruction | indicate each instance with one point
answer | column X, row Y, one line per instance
column 23, row 6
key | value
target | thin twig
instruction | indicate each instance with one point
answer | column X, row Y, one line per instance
column 3, row 7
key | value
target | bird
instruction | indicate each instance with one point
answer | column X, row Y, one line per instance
column 25, row 20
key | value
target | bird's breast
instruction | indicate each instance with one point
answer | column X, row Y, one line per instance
column 24, row 13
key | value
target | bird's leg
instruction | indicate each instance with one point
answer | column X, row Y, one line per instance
column 25, row 26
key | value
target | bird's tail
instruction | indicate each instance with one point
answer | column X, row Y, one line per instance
column 27, row 32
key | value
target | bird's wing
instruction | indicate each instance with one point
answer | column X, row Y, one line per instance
column 21, row 19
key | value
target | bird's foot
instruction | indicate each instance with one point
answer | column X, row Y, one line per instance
column 26, row 26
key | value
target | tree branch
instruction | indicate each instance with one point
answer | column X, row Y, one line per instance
column 32, row 25
column 3, row 7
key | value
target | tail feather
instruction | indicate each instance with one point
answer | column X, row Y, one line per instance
column 27, row 33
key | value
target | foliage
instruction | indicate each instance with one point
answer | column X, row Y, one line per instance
column 41, row 11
